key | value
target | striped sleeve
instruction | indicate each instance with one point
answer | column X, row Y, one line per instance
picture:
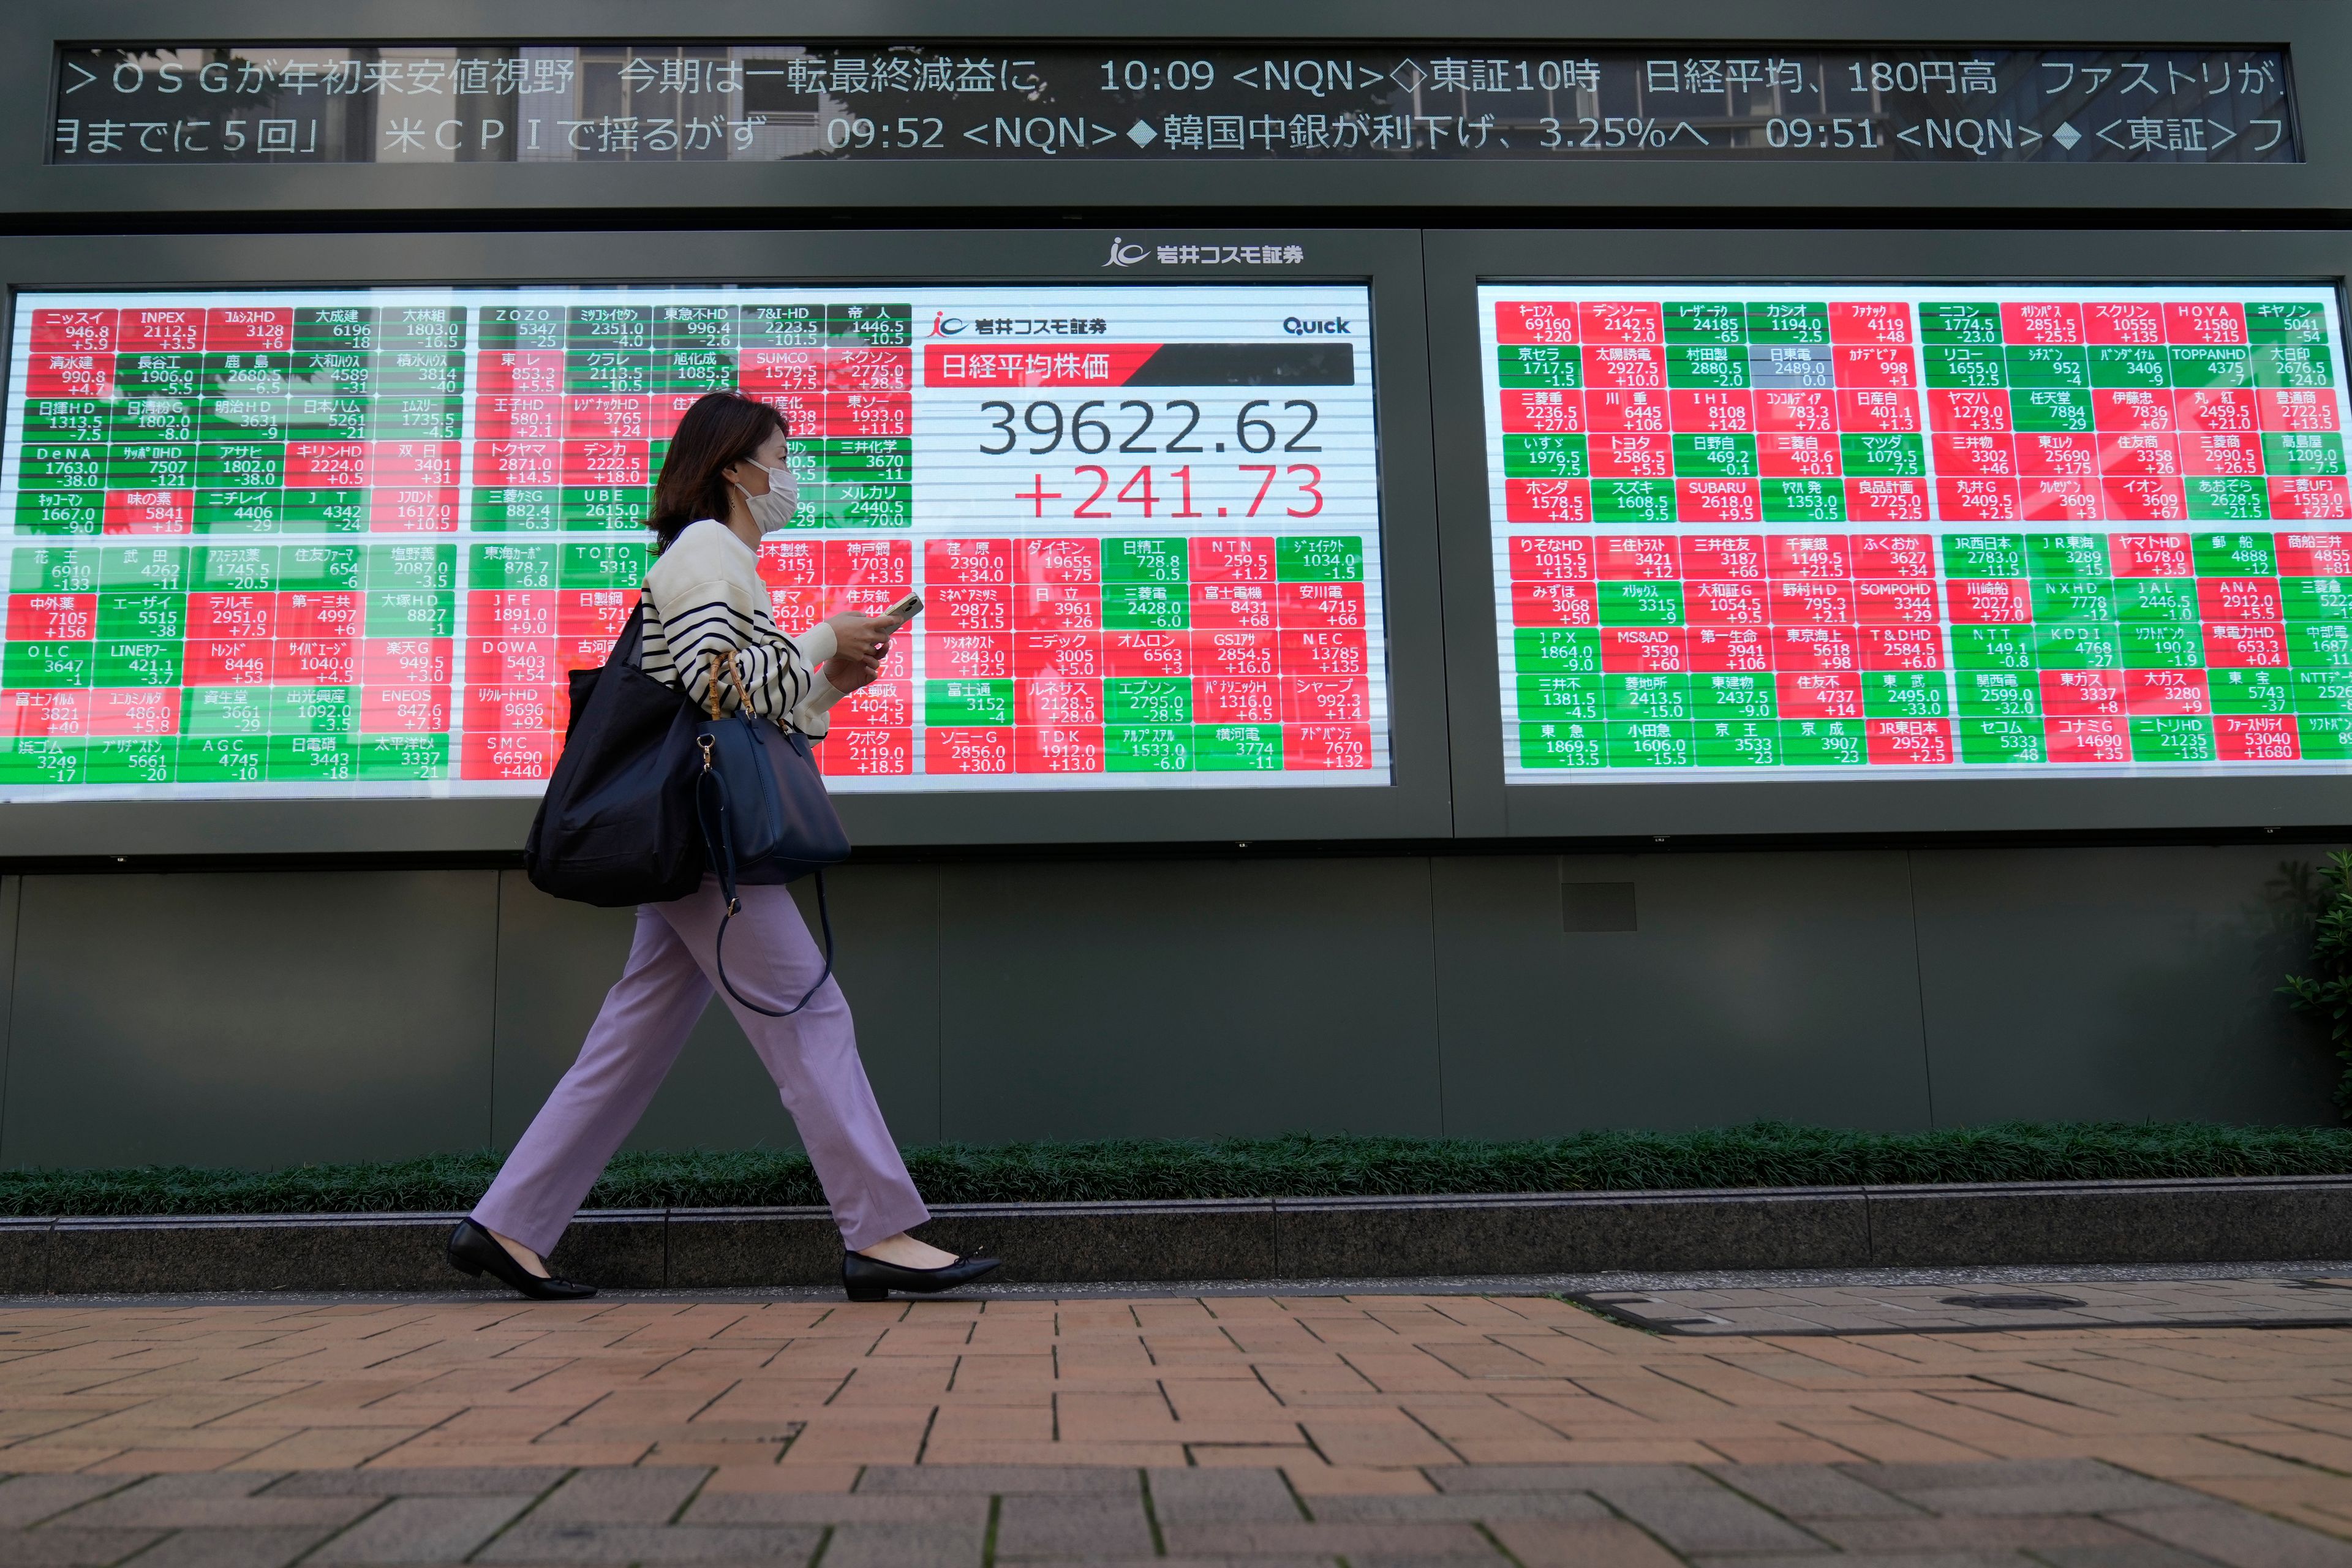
column 700, row 601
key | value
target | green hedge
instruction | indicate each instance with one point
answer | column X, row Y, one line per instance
column 1763, row 1154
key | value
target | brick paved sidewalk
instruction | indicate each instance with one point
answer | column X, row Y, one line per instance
column 1249, row 1429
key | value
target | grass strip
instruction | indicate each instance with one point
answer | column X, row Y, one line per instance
column 1761, row 1154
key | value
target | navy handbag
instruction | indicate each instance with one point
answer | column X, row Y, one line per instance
column 765, row 816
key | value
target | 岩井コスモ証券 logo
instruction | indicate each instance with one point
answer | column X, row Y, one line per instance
column 1124, row 254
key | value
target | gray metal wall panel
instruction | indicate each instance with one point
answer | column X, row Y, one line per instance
column 556, row 961
column 12, row 892
column 1187, row 998
column 278, row 1018
column 2116, row 984
column 258, row 1019
column 1763, row 984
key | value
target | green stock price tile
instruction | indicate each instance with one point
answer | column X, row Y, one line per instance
column 2064, row 600
column 1803, row 501
column 1998, row 693
column 1973, row 555
column 1632, row 501
column 1563, row 745
column 1869, row 455
column 2315, row 599
column 1319, row 558
column 1724, row 697
column 1823, row 742
column 1997, row 740
column 2172, row 740
column 1556, row 649
column 1148, row 748
column 2250, row 690
column 2155, row 601
column 2323, row 691
column 1737, row 743
column 1641, row 603
column 2234, row 556
column 1649, row 743
column 513, row 567
column 2227, row 499
column 1161, row 560
column 1147, row 701
column 1146, row 607
column 958, row 704
column 1993, row 647
column 2037, row 409
column 2067, row 556
column 1540, row 365
column 1556, row 697
column 2326, row 737
column 1646, row 697
column 1237, row 748
column 2319, row 645
column 1905, row 694
column 2162, row 647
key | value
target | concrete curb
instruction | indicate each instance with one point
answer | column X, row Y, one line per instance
column 2222, row 1220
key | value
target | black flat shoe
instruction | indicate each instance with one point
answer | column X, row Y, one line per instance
column 871, row 1280
column 473, row 1250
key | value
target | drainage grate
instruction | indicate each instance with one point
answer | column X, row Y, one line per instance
column 2017, row 1302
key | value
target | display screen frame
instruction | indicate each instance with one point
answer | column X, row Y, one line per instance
column 1413, row 804
column 2317, row 38
column 1485, row 806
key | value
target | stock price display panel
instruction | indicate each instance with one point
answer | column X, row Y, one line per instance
column 350, row 543
column 1848, row 531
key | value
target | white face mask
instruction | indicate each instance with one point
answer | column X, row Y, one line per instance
column 773, row 510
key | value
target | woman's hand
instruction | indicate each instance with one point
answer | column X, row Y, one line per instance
column 849, row 674
column 862, row 636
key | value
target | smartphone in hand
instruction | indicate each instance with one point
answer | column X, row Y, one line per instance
column 905, row 610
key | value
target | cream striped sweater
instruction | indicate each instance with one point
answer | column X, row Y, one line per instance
column 703, row 595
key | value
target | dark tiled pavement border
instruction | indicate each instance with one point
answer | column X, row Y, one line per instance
column 2277, row 1299
column 2183, row 1222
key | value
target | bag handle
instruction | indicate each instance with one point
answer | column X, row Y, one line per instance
column 716, row 663
column 719, row 842
column 711, row 690
column 735, row 678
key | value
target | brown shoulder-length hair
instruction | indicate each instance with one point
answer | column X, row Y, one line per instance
column 719, row 431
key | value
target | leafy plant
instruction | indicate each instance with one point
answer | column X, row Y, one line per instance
column 2329, row 992
column 1760, row 1155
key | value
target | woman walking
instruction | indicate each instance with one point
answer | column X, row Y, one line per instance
column 725, row 482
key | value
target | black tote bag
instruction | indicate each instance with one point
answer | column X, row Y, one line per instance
column 780, row 821
column 617, row 825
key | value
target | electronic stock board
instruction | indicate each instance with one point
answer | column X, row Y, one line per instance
column 1754, row 532
column 348, row 542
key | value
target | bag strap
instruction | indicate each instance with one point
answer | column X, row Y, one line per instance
column 629, row 648
column 825, row 920
column 719, row 842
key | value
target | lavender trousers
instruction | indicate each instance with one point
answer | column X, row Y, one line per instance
column 813, row 1057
